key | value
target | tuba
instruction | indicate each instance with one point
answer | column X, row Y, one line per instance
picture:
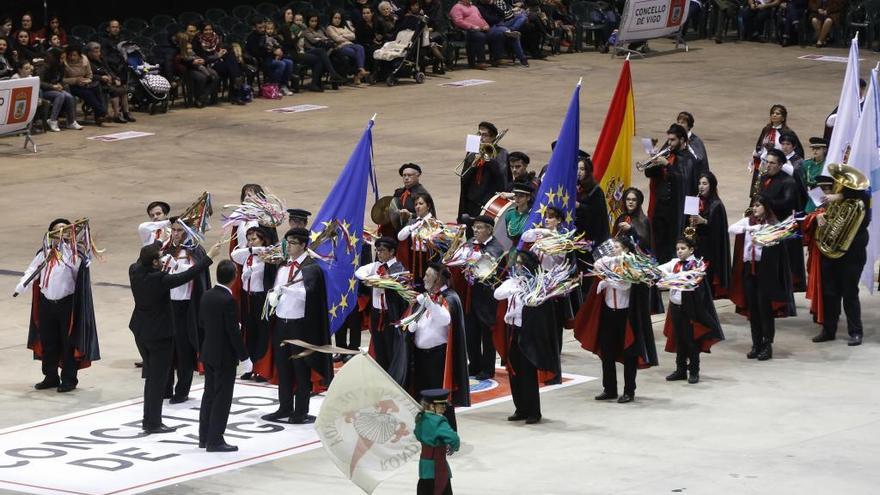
column 842, row 218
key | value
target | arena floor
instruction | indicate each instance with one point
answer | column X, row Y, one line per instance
column 807, row 421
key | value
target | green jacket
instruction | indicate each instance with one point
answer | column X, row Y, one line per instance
column 811, row 169
column 433, row 430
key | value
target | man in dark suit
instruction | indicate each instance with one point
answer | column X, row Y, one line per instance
column 152, row 325
column 222, row 350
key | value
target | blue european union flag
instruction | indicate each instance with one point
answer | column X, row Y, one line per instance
column 559, row 185
column 337, row 231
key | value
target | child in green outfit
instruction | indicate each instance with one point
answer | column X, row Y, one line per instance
column 435, row 434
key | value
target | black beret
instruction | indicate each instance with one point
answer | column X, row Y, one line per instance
column 298, row 213
column 409, row 165
column 298, row 233
column 485, row 219
column 165, row 206
column 385, row 241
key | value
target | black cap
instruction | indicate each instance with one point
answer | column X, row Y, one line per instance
column 485, row 219
column 409, row 165
column 824, row 180
column 435, row 395
column 387, row 242
column 298, row 233
column 817, row 142
column 298, row 213
column 166, row 208
column 523, row 187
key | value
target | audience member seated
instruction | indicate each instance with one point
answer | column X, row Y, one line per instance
column 344, row 38
column 564, row 22
column 755, row 15
column 6, row 69
column 824, row 15
column 6, row 28
column 78, row 76
column 369, row 33
column 111, row 84
column 54, row 41
column 317, row 39
column 110, row 41
column 54, row 27
column 722, row 11
column 22, row 51
column 54, row 90
column 387, row 18
column 317, row 59
column 27, row 24
column 25, row 69
column 267, row 50
column 208, row 45
column 202, row 81
column 466, row 16
column 495, row 17
column 792, row 15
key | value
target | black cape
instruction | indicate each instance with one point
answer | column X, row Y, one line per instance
column 456, row 370
column 698, row 308
column 399, row 353
column 713, row 245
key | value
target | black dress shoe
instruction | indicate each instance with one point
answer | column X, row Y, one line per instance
column 677, row 375
column 176, row 399
column 516, row 417
column 260, row 379
column 307, row 419
column 694, row 378
column 276, row 416
column 66, row 387
column 247, row 376
column 855, row 340
column 223, row 447
column 766, row 353
column 624, row 399
column 202, row 444
column 823, row 337
column 606, row 396
column 128, row 117
column 752, row 354
column 139, row 364
column 159, row 429
column 47, row 383
column 533, row 420
column 483, row 376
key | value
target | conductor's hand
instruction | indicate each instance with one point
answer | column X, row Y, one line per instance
column 214, row 251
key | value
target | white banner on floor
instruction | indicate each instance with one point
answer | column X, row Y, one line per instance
column 648, row 19
column 826, row 58
column 297, row 108
column 18, row 103
column 465, row 83
column 121, row 136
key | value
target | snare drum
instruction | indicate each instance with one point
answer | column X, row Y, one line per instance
column 495, row 208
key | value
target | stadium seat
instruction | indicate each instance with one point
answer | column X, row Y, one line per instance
column 161, row 21
column 215, row 14
column 190, row 17
column 243, row 12
column 135, row 25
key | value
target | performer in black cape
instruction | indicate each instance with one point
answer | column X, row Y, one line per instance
column 712, row 239
column 439, row 342
column 590, row 216
column 780, row 192
column 62, row 332
column 634, row 224
column 387, row 343
column 301, row 313
column 692, row 325
column 530, row 347
column 483, row 175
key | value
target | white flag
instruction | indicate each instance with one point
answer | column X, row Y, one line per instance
column 366, row 423
column 847, row 110
column 865, row 157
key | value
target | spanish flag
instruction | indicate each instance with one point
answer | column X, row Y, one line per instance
column 612, row 160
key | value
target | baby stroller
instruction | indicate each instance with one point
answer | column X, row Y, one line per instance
column 402, row 57
column 147, row 90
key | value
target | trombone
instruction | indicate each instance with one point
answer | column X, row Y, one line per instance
column 487, row 150
column 652, row 161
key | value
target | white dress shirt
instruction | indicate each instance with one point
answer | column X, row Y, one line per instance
column 407, row 231
column 58, row 277
column 292, row 298
column 548, row 261
column 151, row 232
column 173, row 265
column 751, row 251
column 432, row 329
column 616, row 293
column 510, row 290
column 371, row 269
column 787, row 167
column 252, row 267
column 668, row 268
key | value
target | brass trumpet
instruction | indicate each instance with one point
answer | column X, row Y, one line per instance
column 652, row 161
column 488, row 151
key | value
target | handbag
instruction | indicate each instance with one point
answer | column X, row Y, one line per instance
column 270, row 91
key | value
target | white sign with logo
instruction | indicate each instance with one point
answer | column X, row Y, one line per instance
column 121, row 136
column 18, row 103
column 297, row 109
column 649, row 19
column 465, row 83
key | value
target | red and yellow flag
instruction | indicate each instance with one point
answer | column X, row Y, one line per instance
column 612, row 160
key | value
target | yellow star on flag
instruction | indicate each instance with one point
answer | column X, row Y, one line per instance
column 542, row 210
column 344, row 302
column 550, row 197
column 568, row 217
column 333, row 311
column 351, row 283
column 313, row 235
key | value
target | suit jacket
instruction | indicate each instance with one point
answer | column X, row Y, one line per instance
column 151, row 318
column 781, row 193
column 223, row 345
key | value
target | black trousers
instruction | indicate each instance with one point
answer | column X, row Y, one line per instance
column 157, row 367
column 349, row 336
column 612, row 331
column 256, row 329
column 840, row 280
column 291, row 372
column 55, row 339
column 480, row 348
column 382, row 337
column 761, row 320
column 428, row 366
column 523, row 381
column 426, row 487
column 183, row 348
column 216, row 402
column 664, row 228
column 687, row 352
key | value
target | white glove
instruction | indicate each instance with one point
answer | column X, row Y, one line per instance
column 601, row 286
column 421, row 299
column 247, row 365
